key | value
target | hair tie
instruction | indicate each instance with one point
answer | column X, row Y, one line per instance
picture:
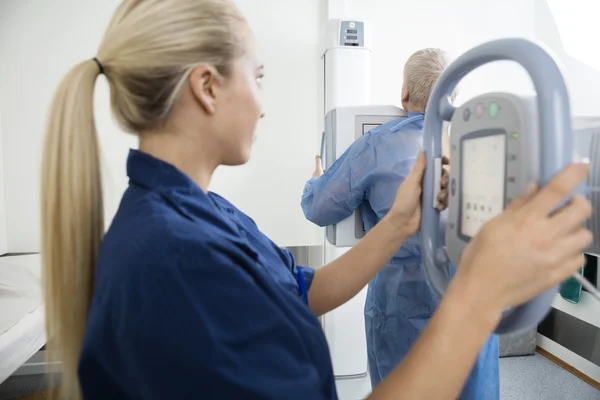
column 99, row 64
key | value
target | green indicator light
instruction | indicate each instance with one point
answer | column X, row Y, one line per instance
column 493, row 109
column 515, row 135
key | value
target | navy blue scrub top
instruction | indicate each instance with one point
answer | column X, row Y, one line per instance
column 192, row 301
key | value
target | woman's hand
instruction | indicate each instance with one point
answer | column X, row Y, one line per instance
column 442, row 198
column 406, row 210
column 517, row 255
column 527, row 249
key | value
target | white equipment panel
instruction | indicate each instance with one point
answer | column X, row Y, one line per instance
column 343, row 126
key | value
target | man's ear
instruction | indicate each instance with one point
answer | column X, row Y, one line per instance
column 205, row 84
column 405, row 95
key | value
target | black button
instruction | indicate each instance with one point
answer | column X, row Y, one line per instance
column 451, row 225
column 466, row 114
column 512, row 157
column 453, row 187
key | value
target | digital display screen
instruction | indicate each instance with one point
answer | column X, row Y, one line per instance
column 352, row 37
column 483, row 181
column 352, row 31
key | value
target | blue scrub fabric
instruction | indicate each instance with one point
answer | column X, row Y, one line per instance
column 399, row 301
column 192, row 301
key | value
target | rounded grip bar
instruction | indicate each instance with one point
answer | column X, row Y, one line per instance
column 323, row 151
column 555, row 127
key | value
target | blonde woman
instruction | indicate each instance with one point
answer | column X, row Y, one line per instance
column 183, row 297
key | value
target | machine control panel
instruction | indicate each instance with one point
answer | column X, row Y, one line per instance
column 495, row 137
column 483, row 179
column 352, row 34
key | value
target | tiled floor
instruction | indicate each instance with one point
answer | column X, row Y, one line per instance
column 521, row 378
column 537, row 378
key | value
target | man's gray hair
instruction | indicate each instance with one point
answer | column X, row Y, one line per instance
column 422, row 71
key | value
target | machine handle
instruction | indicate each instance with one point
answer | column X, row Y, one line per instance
column 555, row 127
column 323, row 150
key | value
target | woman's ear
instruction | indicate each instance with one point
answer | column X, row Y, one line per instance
column 205, row 84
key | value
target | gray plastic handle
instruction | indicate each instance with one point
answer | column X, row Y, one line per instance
column 555, row 127
column 323, row 153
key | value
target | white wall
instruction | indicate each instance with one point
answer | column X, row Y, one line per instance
column 269, row 187
column 583, row 80
column 41, row 39
column 3, row 242
column 401, row 27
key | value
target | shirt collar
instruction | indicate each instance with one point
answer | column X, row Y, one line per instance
column 154, row 174
column 181, row 191
column 414, row 114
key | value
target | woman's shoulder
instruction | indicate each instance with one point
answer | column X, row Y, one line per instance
column 148, row 251
column 149, row 230
column 230, row 208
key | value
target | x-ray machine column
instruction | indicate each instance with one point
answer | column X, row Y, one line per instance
column 347, row 63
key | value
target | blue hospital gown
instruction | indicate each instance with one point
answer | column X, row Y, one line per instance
column 399, row 302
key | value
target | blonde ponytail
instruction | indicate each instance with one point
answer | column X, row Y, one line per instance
column 72, row 218
column 147, row 53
